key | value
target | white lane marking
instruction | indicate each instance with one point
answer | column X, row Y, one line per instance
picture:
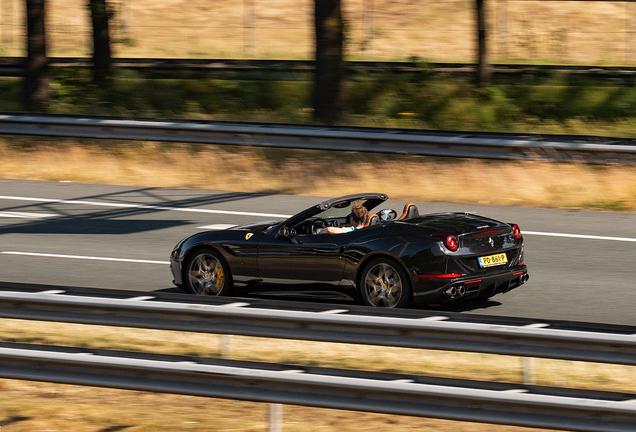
column 537, row 325
column 85, row 257
column 27, row 215
column 143, row 207
column 580, row 236
column 217, row 226
column 434, row 318
column 237, row 213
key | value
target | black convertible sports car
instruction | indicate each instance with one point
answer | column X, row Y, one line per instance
column 390, row 262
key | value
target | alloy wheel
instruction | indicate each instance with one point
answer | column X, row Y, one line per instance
column 383, row 285
column 206, row 275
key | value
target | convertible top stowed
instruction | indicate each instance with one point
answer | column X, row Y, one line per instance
column 392, row 262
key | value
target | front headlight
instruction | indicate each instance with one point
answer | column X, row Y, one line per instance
column 176, row 252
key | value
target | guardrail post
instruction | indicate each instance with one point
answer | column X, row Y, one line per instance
column 630, row 23
column 6, row 14
column 368, row 31
column 125, row 18
column 248, row 28
column 275, row 417
column 528, row 370
column 502, row 29
column 226, row 346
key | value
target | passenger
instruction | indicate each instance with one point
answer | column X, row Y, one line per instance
column 359, row 215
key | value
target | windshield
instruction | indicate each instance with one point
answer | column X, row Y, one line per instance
column 336, row 215
column 340, row 210
column 333, row 212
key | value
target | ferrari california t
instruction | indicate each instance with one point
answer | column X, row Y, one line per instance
column 394, row 260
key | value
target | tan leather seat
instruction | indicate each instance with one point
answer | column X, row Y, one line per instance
column 373, row 219
column 410, row 211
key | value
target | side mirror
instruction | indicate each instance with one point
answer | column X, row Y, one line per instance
column 283, row 232
column 387, row 214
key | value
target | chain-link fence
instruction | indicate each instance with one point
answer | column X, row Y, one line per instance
column 520, row 31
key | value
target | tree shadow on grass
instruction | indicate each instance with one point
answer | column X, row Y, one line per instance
column 114, row 428
column 14, row 419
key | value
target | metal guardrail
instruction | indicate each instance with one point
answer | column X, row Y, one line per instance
column 489, row 402
column 429, row 333
column 405, row 141
column 576, row 410
column 185, row 68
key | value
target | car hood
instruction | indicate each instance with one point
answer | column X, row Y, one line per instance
column 256, row 227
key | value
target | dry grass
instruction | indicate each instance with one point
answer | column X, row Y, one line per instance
column 562, row 32
column 27, row 406
column 321, row 173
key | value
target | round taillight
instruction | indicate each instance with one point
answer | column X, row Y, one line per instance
column 516, row 231
column 451, row 243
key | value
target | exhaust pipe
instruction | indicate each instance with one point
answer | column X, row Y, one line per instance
column 456, row 291
column 523, row 278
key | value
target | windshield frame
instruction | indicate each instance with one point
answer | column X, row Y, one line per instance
column 371, row 201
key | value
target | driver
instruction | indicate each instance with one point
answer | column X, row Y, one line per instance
column 359, row 215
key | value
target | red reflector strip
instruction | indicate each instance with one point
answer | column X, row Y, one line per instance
column 521, row 263
column 518, row 273
column 475, row 281
column 487, row 232
column 441, row 276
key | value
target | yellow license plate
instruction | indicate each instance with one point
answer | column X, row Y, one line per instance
column 492, row 260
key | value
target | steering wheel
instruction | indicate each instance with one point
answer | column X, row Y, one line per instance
column 317, row 224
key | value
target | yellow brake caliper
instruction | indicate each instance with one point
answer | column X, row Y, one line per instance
column 219, row 276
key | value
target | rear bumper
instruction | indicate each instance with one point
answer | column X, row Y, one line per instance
column 469, row 286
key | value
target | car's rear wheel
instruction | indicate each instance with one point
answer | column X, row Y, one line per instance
column 207, row 274
column 384, row 283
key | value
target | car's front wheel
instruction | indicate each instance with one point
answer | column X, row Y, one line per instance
column 207, row 274
column 384, row 283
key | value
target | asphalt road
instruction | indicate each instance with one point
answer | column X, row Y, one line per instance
column 581, row 263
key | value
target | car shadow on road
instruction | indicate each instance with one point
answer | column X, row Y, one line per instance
column 120, row 217
column 465, row 306
column 173, row 290
column 336, row 298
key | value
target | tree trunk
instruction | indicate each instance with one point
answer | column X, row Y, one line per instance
column 328, row 94
column 101, row 13
column 36, row 81
column 484, row 73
